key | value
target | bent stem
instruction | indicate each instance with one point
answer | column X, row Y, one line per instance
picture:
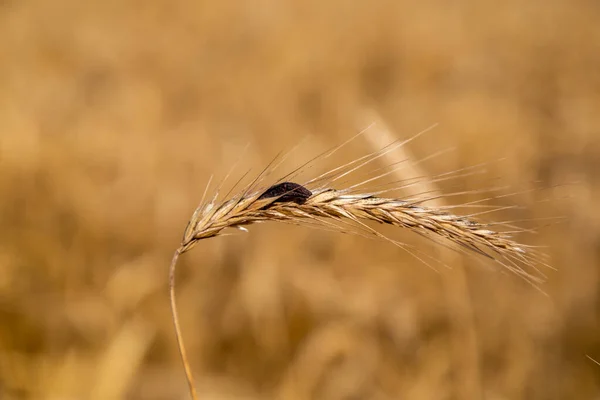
column 180, row 345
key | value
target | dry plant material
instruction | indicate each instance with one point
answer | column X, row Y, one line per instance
column 316, row 204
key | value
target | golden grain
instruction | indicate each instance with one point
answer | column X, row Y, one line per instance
column 345, row 210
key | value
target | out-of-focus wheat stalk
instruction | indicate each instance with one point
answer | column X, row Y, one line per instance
column 316, row 205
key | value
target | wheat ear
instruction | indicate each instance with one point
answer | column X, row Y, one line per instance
column 330, row 208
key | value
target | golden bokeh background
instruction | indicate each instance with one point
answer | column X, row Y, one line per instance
column 113, row 115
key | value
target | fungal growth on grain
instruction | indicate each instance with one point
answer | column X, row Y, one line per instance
column 351, row 209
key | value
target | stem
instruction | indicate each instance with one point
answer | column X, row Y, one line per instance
column 180, row 345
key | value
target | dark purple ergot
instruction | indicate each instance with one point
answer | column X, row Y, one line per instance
column 287, row 192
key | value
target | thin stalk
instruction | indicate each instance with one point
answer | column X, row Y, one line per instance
column 175, row 315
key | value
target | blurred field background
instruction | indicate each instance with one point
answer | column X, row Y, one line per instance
column 113, row 115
